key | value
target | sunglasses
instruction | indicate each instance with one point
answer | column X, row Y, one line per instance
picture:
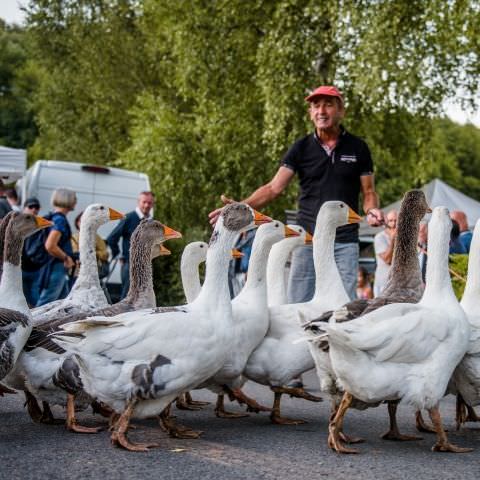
column 34, row 206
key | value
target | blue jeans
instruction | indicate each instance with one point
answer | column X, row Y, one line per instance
column 125, row 276
column 301, row 281
column 56, row 285
column 31, row 287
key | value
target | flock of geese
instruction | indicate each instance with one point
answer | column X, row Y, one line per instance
column 413, row 344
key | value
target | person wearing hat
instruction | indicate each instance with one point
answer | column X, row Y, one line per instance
column 331, row 164
column 30, row 271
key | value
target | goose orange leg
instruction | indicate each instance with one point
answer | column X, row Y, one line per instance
column 443, row 445
column 335, row 426
column 71, row 422
column 394, row 432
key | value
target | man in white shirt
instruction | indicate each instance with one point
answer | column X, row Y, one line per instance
column 384, row 244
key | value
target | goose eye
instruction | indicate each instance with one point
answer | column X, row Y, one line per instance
column 341, row 205
column 201, row 246
column 276, row 225
column 102, row 208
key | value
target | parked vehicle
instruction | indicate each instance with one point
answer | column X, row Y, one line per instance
column 114, row 187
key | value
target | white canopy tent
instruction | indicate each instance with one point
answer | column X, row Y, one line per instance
column 438, row 193
column 13, row 164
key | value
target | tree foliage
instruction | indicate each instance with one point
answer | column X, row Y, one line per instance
column 17, row 83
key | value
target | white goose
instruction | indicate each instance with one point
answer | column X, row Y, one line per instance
column 15, row 318
column 404, row 352
column 251, row 320
column 466, row 378
column 193, row 255
column 87, row 294
column 277, row 359
column 50, row 371
column 139, row 362
column 280, row 253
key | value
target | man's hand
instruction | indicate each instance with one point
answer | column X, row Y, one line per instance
column 375, row 217
column 68, row 262
column 213, row 216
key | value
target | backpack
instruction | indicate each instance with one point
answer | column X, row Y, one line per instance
column 35, row 255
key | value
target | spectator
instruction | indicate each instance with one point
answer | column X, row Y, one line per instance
column 31, row 270
column 100, row 250
column 384, row 244
column 4, row 205
column 466, row 234
column 124, row 230
column 422, row 248
column 12, row 199
column 456, row 246
column 54, row 282
column 364, row 288
column 331, row 164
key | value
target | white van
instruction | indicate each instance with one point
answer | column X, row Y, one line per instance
column 114, row 187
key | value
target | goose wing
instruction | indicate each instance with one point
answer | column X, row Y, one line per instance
column 398, row 333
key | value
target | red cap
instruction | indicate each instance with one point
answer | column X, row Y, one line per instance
column 327, row 90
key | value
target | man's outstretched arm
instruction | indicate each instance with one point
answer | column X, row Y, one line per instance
column 263, row 195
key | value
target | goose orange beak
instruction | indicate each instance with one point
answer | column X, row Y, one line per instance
column 114, row 214
column 429, row 210
column 260, row 218
column 353, row 217
column 164, row 250
column 236, row 253
column 289, row 232
column 308, row 239
column 42, row 222
column 170, row 233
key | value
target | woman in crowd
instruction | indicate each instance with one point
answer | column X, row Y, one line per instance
column 54, row 282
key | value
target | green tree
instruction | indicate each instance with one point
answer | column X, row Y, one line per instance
column 17, row 83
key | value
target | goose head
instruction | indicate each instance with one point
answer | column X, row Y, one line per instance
column 195, row 253
column 238, row 217
column 97, row 214
column 276, row 231
column 24, row 224
column 151, row 233
column 414, row 206
column 334, row 214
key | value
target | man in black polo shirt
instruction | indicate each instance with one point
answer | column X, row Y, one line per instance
column 331, row 164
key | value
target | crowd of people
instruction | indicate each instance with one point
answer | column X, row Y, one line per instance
column 50, row 257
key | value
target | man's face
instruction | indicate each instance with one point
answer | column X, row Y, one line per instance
column 391, row 219
column 145, row 203
column 326, row 112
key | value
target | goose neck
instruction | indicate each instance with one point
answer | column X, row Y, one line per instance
column 472, row 287
column 190, row 280
column 88, row 273
column 438, row 283
column 327, row 277
column 276, row 284
column 215, row 291
column 141, row 275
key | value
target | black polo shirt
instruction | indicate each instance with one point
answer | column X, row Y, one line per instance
column 325, row 177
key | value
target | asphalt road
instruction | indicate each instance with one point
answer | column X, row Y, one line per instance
column 246, row 448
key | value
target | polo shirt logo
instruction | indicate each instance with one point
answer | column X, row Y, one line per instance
column 348, row 158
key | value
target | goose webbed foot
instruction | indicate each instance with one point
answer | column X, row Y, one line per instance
column 101, row 408
column 5, row 390
column 182, row 403
column 298, row 392
column 33, row 408
column 350, row 438
column 443, row 445
column 120, row 428
column 243, row 399
column 394, row 433
column 335, row 427
column 220, row 411
column 71, row 421
column 174, row 430
column 47, row 417
column 420, row 424
column 275, row 416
